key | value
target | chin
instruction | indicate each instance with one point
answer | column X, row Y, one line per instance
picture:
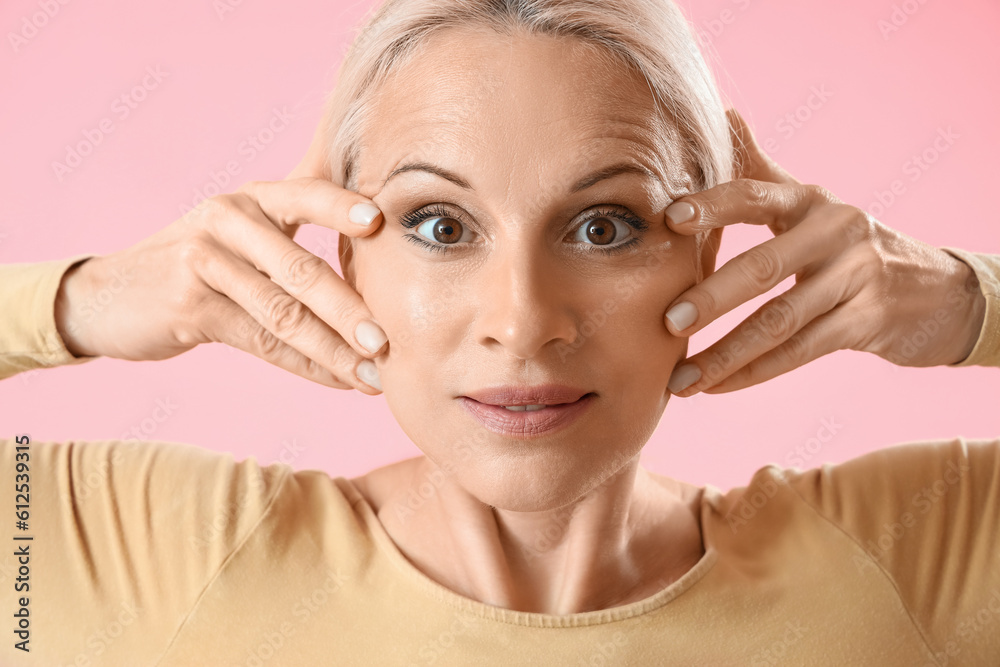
column 539, row 481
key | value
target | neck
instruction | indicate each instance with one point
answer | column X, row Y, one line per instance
column 623, row 541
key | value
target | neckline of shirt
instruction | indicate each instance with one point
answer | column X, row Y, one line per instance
column 709, row 499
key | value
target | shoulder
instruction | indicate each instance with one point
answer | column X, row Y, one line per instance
column 378, row 485
column 927, row 515
column 913, row 475
column 132, row 463
column 943, row 482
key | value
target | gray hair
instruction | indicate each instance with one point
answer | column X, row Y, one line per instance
column 651, row 37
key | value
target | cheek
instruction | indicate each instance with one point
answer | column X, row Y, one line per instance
column 627, row 319
column 415, row 306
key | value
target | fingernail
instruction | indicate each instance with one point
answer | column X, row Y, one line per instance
column 682, row 315
column 679, row 212
column 683, row 377
column 370, row 336
column 363, row 213
column 368, row 373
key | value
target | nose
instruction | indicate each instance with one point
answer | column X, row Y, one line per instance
column 527, row 303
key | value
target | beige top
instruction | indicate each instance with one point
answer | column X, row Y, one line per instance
column 160, row 553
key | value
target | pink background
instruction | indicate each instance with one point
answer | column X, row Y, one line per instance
column 886, row 97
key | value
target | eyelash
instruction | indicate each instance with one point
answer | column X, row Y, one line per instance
column 413, row 218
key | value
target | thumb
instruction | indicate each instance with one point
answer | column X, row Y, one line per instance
column 749, row 160
column 314, row 163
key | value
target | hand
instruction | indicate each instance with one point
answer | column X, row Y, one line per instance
column 229, row 271
column 859, row 285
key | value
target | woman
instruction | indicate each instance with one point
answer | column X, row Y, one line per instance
column 528, row 164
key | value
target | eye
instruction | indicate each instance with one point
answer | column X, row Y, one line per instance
column 610, row 229
column 443, row 229
column 437, row 229
column 602, row 231
column 606, row 229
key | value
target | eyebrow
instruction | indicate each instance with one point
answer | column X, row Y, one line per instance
column 582, row 184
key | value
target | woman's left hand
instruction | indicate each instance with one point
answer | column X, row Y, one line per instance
column 859, row 285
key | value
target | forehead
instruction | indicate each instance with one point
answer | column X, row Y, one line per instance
column 533, row 106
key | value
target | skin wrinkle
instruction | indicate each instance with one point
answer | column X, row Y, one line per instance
column 569, row 521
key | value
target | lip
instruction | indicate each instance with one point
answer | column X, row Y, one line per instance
column 542, row 394
column 556, row 416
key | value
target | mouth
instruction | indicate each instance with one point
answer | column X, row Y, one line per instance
column 524, row 397
column 527, row 416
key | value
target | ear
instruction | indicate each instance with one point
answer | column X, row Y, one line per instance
column 749, row 159
column 314, row 163
column 709, row 251
column 345, row 251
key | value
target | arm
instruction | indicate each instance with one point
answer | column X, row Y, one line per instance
column 28, row 336
column 126, row 537
column 926, row 515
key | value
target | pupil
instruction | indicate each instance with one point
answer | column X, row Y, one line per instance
column 446, row 232
column 598, row 232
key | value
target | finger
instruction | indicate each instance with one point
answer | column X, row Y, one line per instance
column 820, row 337
column 750, row 161
column 234, row 327
column 309, row 200
column 284, row 318
column 769, row 326
column 750, row 274
column 304, row 276
column 780, row 206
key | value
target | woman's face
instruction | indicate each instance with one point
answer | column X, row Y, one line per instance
column 520, row 267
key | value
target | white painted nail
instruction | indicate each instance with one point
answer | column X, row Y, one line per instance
column 368, row 373
column 680, row 212
column 683, row 377
column 370, row 335
column 682, row 315
column 363, row 213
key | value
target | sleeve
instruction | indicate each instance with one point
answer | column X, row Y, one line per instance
column 123, row 538
column 927, row 514
column 28, row 337
column 987, row 270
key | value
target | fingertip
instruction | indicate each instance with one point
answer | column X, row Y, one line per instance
column 683, row 377
column 371, row 337
column 681, row 316
column 368, row 391
column 367, row 372
column 364, row 214
column 681, row 215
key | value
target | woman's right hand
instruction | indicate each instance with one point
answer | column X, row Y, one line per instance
column 229, row 271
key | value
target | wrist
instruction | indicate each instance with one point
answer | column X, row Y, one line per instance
column 967, row 292
column 70, row 323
